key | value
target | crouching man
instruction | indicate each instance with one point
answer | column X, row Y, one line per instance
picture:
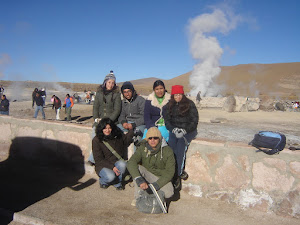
column 153, row 162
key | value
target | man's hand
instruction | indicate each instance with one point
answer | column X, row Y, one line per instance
column 117, row 172
column 144, row 186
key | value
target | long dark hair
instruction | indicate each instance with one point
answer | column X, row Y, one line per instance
column 157, row 83
column 184, row 105
column 116, row 132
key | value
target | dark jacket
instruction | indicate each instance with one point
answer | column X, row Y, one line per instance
column 39, row 101
column 188, row 122
column 133, row 110
column 108, row 105
column 160, row 162
column 153, row 110
column 104, row 158
column 56, row 103
column 4, row 105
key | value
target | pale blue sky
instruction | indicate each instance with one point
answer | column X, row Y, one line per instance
column 81, row 40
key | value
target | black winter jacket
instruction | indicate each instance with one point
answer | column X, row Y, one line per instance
column 188, row 122
column 4, row 105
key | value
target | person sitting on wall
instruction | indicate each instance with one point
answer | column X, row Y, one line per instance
column 4, row 106
column 153, row 162
column 153, row 109
column 181, row 118
column 132, row 113
column 109, row 148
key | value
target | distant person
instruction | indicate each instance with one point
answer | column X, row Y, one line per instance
column 110, row 152
column 34, row 96
column 107, row 103
column 153, row 163
column 4, row 106
column 153, row 109
column 132, row 113
column 43, row 94
column 181, row 118
column 39, row 102
column 198, row 99
column 68, row 106
column 1, row 90
column 57, row 106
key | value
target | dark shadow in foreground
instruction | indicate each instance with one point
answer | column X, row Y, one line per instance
column 37, row 168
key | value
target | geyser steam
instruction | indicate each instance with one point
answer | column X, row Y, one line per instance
column 206, row 50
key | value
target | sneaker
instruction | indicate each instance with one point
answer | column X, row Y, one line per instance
column 104, row 186
column 120, row 188
column 184, row 175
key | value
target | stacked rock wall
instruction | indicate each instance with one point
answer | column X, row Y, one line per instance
column 232, row 172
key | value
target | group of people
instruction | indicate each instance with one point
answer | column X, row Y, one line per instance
column 39, row 99
column 162, row 127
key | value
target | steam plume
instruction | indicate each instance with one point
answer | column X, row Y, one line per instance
column 206, row 49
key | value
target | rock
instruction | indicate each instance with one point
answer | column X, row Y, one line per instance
column 230, row 104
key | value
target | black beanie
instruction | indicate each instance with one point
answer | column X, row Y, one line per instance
column 127, row 85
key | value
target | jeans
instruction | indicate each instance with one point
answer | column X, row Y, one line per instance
column 151, row 178
column 140, row 128
column 4, row 112
column 180, row 146
column 37, row 109
column 108, row 176
column 91, row 157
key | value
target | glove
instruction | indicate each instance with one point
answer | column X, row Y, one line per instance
column 179, row 132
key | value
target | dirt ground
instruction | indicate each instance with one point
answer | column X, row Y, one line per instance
column 92, row 205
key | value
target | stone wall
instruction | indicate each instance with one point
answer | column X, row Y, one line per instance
column 236, row 172
column 233, row 172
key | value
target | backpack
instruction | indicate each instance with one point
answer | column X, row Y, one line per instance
column 147, row 203
column 270, row 140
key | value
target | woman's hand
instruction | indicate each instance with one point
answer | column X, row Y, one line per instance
column 144, row 186
column 117, row 172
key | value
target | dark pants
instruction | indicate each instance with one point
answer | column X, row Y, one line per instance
column 180, row 146
column 68, row 112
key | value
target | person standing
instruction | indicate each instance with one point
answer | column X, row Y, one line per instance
column 4, row 106
column 110, row 151
column 198, row 99
column 107, row 104
column 39, row 102
column 34, row 96
column 153, row 109
column 68, row 104
column 1, row 90
column 132, row 113
column 181, row 118
column 43, row 94
column 57, row 106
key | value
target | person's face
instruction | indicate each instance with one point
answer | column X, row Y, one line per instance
column 127, row 93
column 2, row 97
column 107, row 130
column 159, row 91
column 153, row 141
column 110, row 84
column 178, row 97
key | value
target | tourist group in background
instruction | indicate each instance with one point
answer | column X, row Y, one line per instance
column 160, row 126
column 39, row 100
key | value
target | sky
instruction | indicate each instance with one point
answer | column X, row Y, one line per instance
column 80, row 41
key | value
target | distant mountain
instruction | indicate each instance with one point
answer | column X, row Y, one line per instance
column 279, row 80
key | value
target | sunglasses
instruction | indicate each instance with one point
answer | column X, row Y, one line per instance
column 155, row 138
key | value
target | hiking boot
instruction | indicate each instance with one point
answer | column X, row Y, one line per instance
column 104, row 186
column 184, row 175
column 120, row 188
column 177, row 183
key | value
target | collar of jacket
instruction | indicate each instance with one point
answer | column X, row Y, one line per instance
column 155, row 102
column 115, row 90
